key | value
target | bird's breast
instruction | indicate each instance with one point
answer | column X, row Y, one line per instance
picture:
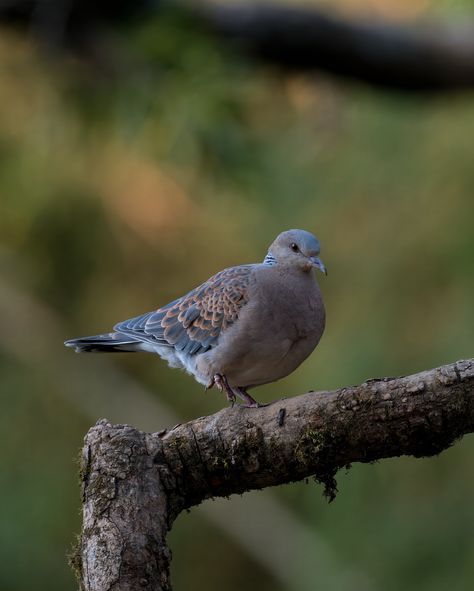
column 275, row 332
column 294, row 310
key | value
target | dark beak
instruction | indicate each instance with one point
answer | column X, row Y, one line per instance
column 318, row 263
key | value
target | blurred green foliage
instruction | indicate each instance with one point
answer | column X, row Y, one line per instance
column 123, row 188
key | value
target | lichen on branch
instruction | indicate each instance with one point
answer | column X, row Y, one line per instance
column 135, row 484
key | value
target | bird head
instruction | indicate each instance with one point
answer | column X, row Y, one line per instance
column 297, row 248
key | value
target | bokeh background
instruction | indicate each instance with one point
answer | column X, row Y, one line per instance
column 130, row 176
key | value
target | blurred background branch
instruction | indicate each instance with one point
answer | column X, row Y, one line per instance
column 425, row 57
column 432, row 56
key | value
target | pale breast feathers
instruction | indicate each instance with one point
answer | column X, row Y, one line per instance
column 192, row 324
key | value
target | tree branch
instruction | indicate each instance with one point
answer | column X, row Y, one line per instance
column 408, row 58
column 135, row 484
column 411, row 58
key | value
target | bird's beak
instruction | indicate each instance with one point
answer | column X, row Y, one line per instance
column 318, row 263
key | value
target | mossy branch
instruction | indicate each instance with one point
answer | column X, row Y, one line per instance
column 135, row 484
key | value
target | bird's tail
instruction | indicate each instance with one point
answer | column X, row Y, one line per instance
column 111, row 342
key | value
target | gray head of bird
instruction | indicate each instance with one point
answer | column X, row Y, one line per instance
column 297, row 249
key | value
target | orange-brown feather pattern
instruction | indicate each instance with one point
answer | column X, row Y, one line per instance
column 208, row 310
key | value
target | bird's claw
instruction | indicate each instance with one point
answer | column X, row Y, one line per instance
column 231, row 392
column 223, row 385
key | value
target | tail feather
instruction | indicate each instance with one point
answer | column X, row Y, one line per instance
column 112, row 342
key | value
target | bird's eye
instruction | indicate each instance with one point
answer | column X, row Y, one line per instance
column 294, row 247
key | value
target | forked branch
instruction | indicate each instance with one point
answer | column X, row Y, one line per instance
column 135, row 484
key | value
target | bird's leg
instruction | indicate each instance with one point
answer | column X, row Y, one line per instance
column 221, row 382
column 249, row 401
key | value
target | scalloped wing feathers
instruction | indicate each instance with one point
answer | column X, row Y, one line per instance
column 192, row 324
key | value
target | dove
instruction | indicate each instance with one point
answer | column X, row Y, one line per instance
column 245, row 326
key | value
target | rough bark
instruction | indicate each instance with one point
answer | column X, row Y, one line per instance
column 135, row 483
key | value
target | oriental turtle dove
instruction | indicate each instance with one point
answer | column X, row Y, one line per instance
column 245, row 326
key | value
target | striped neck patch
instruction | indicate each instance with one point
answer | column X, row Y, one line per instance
column 269, row 260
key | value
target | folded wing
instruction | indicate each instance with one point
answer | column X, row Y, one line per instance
column 192, row 324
